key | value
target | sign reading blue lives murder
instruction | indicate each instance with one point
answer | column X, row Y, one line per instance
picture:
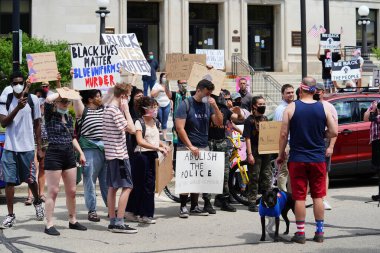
column 202, row 174
column 330, row 41
column 95, row 67
column 345, row 70
column 132, row 58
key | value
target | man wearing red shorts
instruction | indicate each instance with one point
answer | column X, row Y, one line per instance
column 306, row 121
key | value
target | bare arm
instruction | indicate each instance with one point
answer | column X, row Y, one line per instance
column 78, row 108
column 216, row 118
column 237, row 115
column 58, row 82
column 154, row 93
column 319, row 52
column 167, row 91
column 37, row 132
column 284, row 133
column 130, row 127
column 79, row 150
column 50, row 99
column 6, row 120
column 332, row 128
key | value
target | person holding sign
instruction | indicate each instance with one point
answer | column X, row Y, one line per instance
column 327, row 59
column 192, row 124
column 259, row 168
column 306, row 121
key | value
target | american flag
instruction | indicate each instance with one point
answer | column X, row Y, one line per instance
column 314, row 31
column 322, row 29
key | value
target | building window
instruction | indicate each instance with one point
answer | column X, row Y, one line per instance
column 6, row 8
column 371, row 30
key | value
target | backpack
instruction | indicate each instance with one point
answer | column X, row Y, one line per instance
column 131, row 138
column 78, row 126
column 9, row 101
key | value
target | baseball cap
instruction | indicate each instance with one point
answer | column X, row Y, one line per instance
column 320, row 86
column 235, row 95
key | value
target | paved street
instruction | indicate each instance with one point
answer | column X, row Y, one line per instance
column 352, row 226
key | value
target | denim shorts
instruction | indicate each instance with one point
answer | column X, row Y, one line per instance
column 119, row 174
column 17, row 167
column 60, row 157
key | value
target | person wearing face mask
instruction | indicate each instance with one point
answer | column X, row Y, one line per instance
column 357, row 56
column 192, row 124
column 259, row 168
column 89, row 130
column 236, row 101
column 327, row 60
column 158, row 92
column 60, row 160
column 140, row 206
column 246, row 96
column 149, row 81
column 20, row 114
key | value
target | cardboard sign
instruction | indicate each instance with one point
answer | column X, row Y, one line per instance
column 68, row 93
column 376, row 78
column 200, row 72
column 345, row 70
column 330, row 41
column 214, row 57
column 95, row 67
column 132, row 58
column 164, row 171
column 42, row 67
column 202, row 174
column 178, row 65
column 269, row 137
column 248, row 78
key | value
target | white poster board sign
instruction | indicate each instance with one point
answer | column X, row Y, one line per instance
column 202, row 174
column 95, row 67
column 345, row 70
column 214, row 57
column 376, row 78
column 132, row 58
column 330, row 41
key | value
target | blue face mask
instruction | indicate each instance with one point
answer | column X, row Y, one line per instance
column 61, row 111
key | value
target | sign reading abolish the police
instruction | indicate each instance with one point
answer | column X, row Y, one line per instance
column 376, row 78
column 95, row 67
column 330, row 41
column 132, row 58
column 202, row 174
column 345, row 70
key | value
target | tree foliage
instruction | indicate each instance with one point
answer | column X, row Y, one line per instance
column 30, row 46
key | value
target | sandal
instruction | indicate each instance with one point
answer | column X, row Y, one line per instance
column 28, row 201
column 43, row 198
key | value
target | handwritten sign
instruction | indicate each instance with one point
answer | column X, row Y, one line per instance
column 42, row 67
column 67, row 93
column 214, row 57
column 178, row 65
column 164, row 171
column 200, row 72
column 330, row 41
column 202, row 174
column 132, row 58
column 269, row 137
column 345, row 70
column 95, row 67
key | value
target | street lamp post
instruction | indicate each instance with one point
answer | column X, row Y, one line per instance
column 364, row 21
column 102, row 12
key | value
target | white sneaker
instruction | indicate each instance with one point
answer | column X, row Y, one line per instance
column 326, row 205
column 9, row 221
column 128, row 216
column 147, row 220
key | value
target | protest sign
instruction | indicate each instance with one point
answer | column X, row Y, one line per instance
column 330, row 41
column 164, row 171
column 247, row 78
column 42, row 67
column 67, row 93
column 178, row 65
column 269, row 137
column 132, row 58
column 200, row 72
column 95, row 67
column 376, row 78
column 202, row 174
column 345, row 70
column 214, row 57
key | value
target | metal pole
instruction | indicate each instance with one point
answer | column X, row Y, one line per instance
column 326, row 15
column 303, row 39
column 364, row 40
column 15, row 34
column 102, row 25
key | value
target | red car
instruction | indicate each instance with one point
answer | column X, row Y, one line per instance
column 352, row 151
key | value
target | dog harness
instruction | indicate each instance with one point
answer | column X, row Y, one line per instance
column 277, row 209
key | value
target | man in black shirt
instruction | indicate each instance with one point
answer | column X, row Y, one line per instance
column 327, row 60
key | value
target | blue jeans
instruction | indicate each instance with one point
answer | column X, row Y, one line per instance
column 148, row 84
column 163, row 116
column 95, row 168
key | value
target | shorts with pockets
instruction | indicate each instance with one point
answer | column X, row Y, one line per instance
column 17, row 167
column 119, row 174
column 60, row 157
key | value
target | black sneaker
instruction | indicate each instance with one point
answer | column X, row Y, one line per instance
column 376, row 197
column 183, row 212
column 208, row 208
column 52, row 231
column 123, row 229
column 318, row 238
column 299, row 238
column 77, row 226
column 218, row 202
column 196, row 211
column 110, row 227
column 227, row 207
column 253, row 208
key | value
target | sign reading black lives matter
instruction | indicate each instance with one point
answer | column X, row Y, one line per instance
column 330, row 41
column 95, row 67
column 202, row 174
column 132, row 58
column 345, row 70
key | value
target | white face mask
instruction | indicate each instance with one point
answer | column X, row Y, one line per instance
column 205, row 99
column 163, row 80
column 18, row 88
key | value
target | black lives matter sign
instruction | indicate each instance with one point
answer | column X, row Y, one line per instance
column 345, row 70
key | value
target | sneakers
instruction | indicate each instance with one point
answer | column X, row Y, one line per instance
column 208, row 208
column 128, row 216
column 147, row 220
column 299, row 238
column 196, row 211
column 77, row 226
column 253, row 208
column 376, row 197
column 218, row 202
column 318, row 238
column 93, row 216
column 9, row 221
column 40, row 212
column 122, row 229
column 326, row 205
column 183, row 212
column 52, row 231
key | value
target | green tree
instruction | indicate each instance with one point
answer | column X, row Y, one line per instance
column 30, row 46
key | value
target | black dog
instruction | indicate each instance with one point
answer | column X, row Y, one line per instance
column 273, row 203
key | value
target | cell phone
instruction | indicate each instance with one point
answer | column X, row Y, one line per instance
column 25, row 95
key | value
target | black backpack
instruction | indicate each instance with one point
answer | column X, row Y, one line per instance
column 9, row 101
column 131, row 138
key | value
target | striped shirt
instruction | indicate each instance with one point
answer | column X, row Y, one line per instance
column 114, row 124
column 92, row 124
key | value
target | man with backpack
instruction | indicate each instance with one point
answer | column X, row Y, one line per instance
column 20, row 113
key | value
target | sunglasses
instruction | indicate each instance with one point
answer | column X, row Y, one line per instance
column 16, row 83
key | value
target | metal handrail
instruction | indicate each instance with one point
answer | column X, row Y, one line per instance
column 238, row 60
